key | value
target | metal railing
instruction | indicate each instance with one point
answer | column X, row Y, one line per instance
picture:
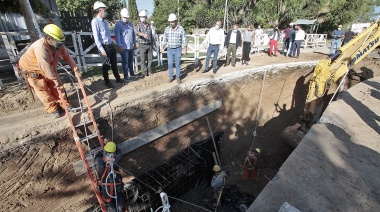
column 196, row 49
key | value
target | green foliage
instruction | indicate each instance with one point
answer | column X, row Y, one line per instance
column 113, row 7
column 14, row 6
column 133, row 12
column 162, row 9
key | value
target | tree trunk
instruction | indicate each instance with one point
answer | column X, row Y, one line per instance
column 30, row 20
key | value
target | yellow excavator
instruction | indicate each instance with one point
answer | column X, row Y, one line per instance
column 329, row 71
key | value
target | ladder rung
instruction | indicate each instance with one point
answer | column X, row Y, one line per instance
column 75, row 109
column 83, row 123
column 94, row 151
column 89, row 137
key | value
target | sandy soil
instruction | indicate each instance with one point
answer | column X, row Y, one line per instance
column 37, row 151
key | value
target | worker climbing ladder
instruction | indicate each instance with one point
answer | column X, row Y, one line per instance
column 86, row 119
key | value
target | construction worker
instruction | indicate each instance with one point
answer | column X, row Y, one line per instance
column 110, row 179
column 218, row 181
column 39, row 66
column 102, row 36
column 174, row 40
column 146, row 42
column 250, row 164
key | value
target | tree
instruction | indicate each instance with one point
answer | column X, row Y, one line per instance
column 14, row 6
column 113, row 7
column 133, row 12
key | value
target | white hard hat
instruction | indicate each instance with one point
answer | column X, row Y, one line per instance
column 142, row 13
column 172, row 17
column 124, row 13
column 152, row 22
column 291, row 24
column 99, row 4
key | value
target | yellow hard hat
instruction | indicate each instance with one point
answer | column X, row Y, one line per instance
column 55, row 32
column 110, row 147
column 258, row 150
column 216, row 168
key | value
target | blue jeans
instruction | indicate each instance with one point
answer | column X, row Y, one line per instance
column 296, row 48
column 334, row 43
column 174, row 55
column 127, row 62
column 210, row 50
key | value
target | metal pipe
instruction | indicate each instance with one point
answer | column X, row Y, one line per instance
column 213, row 140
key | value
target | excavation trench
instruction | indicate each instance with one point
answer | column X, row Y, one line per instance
column 39, row 174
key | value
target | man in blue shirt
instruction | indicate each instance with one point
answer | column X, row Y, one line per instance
column 174, row 40
column 103, row 40
column 126, row 40
column 337, row 36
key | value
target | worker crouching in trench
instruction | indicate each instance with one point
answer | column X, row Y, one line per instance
column 110, row 179
column 39, row 66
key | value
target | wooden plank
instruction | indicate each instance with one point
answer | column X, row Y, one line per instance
column 151, row 135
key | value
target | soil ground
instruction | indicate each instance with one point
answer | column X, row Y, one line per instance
column 37, row 151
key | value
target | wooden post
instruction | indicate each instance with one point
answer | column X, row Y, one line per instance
column 30, row 20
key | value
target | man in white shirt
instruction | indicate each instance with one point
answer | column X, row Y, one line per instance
column 300, row 36
column 215, row 40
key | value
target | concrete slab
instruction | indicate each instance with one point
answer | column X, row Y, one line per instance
column 336, row 167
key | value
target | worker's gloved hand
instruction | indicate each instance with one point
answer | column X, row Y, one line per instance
column 104, row 54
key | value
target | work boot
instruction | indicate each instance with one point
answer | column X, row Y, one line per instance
column 205, row 71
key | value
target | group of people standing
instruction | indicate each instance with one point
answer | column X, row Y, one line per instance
column 293, row 37
column 128, row 36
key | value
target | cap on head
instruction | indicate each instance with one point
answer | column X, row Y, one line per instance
column 99, row 4
column 172, row 17
column 110, row 147
column 258, row 150
column 216, row 168
column 124, row 13
column 142, row 13
column 55, row 32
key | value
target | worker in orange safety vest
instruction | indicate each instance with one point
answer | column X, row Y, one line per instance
column 39, row 66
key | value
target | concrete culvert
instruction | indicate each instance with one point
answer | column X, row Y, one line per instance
column 37, row 153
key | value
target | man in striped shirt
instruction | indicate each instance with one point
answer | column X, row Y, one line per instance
column 174, row 41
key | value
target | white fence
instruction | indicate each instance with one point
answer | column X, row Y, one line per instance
column 196, row 49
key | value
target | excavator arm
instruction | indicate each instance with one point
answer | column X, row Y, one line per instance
column 330, row 70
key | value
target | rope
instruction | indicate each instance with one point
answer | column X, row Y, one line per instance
column 189, row 203
column 258, row 110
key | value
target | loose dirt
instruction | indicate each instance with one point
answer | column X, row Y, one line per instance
column 37, row 151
